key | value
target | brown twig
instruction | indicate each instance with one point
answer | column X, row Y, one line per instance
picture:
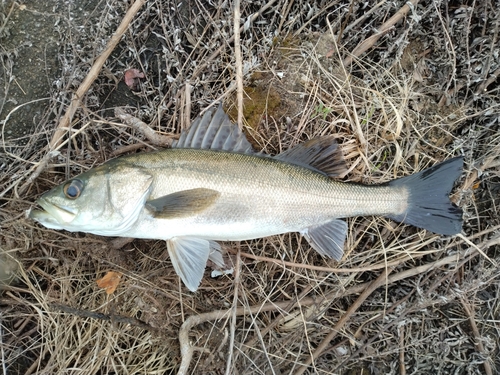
column 369, row 42
column 379, row 281
column 150, row 134
column 64, row 124
column 402, row 367
column 101, row 316
column 284, row 263
column 238, row 62
column 188, row 89
column 128, row 149
column 237, row 269
column 469, row 310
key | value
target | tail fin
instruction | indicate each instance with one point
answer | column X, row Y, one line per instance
column 428, row 204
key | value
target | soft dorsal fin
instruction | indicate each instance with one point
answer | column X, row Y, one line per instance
column 215, row 132
column 321, row 154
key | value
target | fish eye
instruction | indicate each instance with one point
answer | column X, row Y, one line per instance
column 73, row 189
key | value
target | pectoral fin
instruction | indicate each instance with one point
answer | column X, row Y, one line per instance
column 328, row 239
column 182, row 203
column 189, row 257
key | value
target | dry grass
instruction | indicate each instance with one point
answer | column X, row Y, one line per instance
column 402, row 300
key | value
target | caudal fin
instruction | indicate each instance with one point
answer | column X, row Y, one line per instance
column 429, row 206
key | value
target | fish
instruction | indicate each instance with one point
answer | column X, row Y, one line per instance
column 212, row 186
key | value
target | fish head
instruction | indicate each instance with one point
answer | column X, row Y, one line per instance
column 106, row 200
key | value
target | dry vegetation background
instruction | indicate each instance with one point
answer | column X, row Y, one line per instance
column 400, row 94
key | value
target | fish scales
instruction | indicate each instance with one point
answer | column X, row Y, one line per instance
column 259, row 195
column 211, row 186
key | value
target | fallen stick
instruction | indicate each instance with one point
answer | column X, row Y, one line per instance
column 239, row 83
column 379, row 281
column 469, row 310
column 238, row 62
column 152, row 136
column 64, row 124
column 115, row 318
column 369, row 42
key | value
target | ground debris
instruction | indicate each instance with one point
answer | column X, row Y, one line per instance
column 401, row 301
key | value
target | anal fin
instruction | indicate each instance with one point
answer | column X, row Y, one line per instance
column 328, row 239
column 189, row 257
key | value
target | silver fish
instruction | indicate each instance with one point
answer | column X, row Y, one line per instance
column 211, row 186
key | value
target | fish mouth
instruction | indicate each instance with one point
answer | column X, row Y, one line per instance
column 52, row 216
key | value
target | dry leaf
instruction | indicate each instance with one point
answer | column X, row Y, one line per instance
column 110, row 281
column 132, row 77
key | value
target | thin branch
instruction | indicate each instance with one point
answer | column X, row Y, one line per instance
column 379, row 281
column 402, row 366
column 237, row 271
column 95, row 315
column 152, row 136
column 370, row 42
column 239, row 62
column 469, row 310
column 64, row 124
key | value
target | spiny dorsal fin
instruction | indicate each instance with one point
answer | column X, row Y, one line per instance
column 182, row 203
column 321, row 154
column 214, row 133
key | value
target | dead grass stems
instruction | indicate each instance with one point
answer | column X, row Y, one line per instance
column 364, row 289
column 368, row 43
column 277, row 315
